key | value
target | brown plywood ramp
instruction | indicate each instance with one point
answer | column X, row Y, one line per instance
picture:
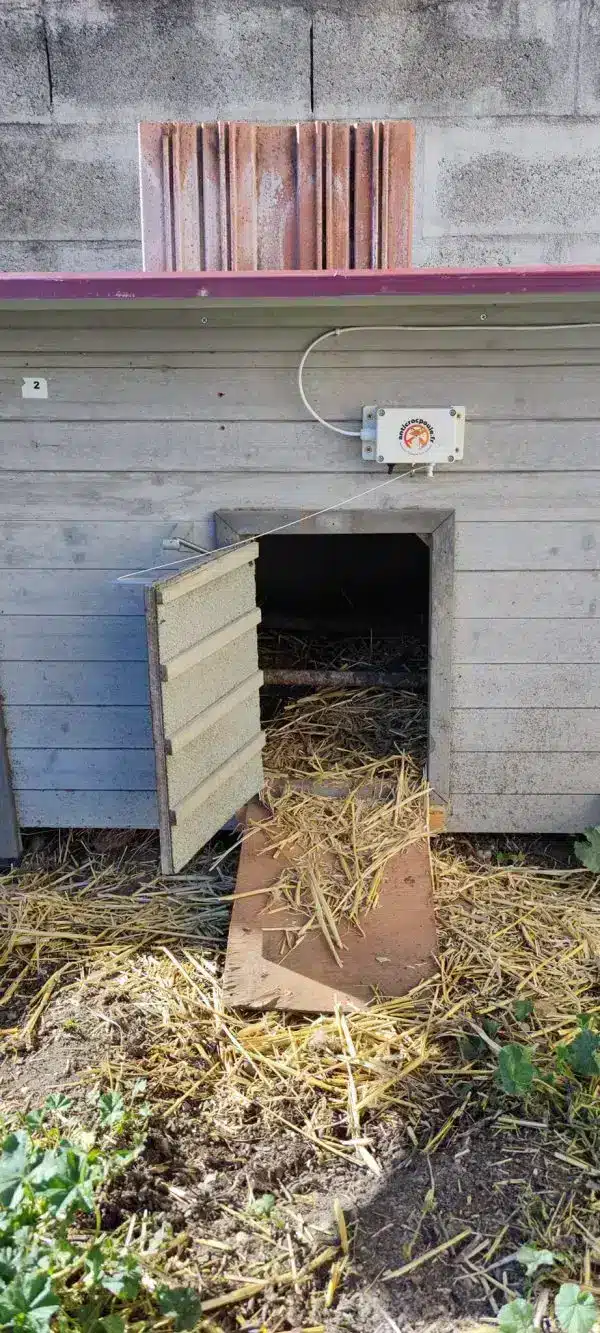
column 394, row 954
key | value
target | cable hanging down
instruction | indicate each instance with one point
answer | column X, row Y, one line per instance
column 413, row 328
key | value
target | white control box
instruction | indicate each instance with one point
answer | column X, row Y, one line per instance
column 413, row 434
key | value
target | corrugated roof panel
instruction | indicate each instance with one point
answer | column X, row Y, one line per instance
column 240, row 197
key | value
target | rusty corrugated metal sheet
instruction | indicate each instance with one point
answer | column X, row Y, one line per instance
column 239, row 197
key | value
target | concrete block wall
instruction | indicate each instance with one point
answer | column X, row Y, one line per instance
column 505, row 95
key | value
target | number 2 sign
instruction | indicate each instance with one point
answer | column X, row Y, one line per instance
column 34, row 388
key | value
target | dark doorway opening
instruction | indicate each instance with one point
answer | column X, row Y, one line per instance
column 344, row 607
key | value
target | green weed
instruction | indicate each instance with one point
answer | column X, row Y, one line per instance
column 575, row 1310
column 58, row 1268
column 587, row 850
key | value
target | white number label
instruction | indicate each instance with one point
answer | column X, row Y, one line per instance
column 34, row 388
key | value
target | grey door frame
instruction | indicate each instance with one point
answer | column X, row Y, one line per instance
column 10, row 833
column 437, row 525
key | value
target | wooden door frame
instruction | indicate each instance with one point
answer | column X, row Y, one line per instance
column 437, row 526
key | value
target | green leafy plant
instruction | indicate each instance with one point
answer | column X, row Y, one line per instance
column 28, row 1302
column 57, row 1103
column 262, row 1206
column 516, row 1070
column 532, row 1259
column 522, row 1009
column 587, row 849
column 112, row 1109
column 582, row 1055
column 516, row 1316
column 182, row 1304
column 58, row 1269
column 576, row 1310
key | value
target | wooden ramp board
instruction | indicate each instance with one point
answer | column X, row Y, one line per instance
column 396, row 952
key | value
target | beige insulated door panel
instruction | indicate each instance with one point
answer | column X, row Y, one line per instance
column 204, row 692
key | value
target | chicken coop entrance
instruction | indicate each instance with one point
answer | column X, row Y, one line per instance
column 367, row 602
column 348, row 613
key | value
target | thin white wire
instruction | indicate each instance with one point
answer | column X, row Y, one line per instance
column 396, row 478
column 331, row 333
column 412, row 328
column 270, row 532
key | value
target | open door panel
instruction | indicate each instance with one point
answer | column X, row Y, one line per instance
column 204, row 695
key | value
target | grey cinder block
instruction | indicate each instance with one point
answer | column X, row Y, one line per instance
column 498, row 179
column 589, row 62
column 66, row 184
column 72, row 256
column 178, row 59
column 460, row 57
column 24, row 82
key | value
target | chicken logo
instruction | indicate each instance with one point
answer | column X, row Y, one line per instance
column 416, row 436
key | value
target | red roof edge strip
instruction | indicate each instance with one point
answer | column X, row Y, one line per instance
column 290, row 286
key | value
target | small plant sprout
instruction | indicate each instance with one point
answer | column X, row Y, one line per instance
column 532, row 1259
column 582, row 1055
column 517, row 1317
column 112, row 1109
column 587, row 849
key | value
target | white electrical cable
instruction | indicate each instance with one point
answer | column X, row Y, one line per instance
column 414, row 328
column 331, row 333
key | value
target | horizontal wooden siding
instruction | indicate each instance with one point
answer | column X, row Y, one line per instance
column 154, row 421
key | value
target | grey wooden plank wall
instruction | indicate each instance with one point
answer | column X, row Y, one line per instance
column 162, row 417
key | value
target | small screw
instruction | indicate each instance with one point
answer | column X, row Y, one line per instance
column 450, row 458
column 452, row 411
column 368, row 451
column 483, row 317
column 381, row 411
column 380, row 458
column 204, row 320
